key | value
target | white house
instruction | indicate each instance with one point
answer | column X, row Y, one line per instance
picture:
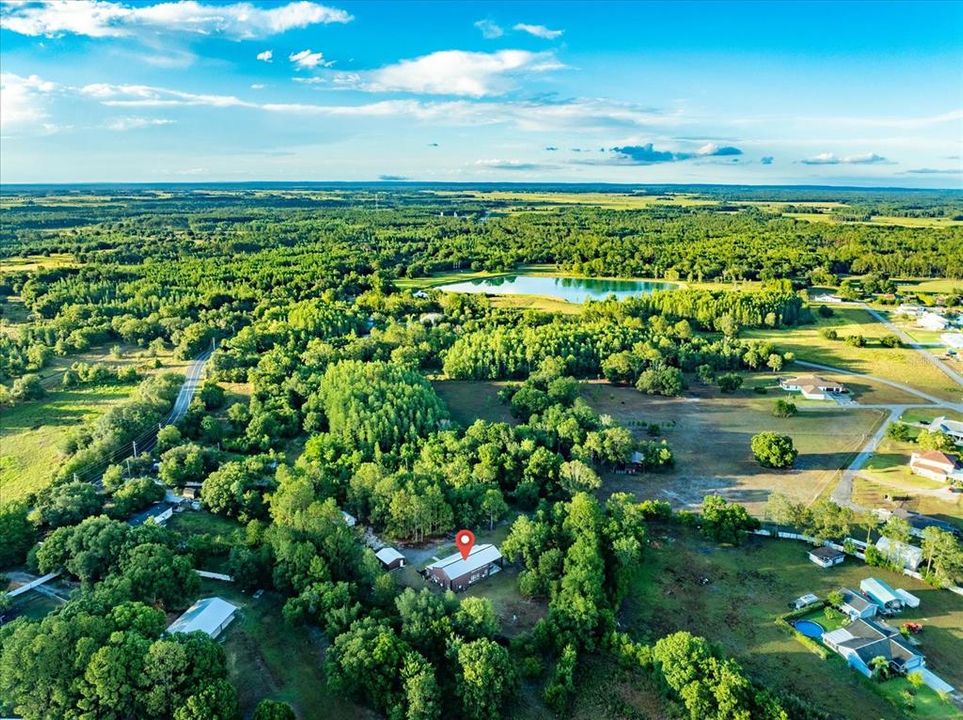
column 827, row 298
column 909, row 556
column 812, row 387
column 935, row 465
column 953, row 428
column 862, row 641
column 952, row 340
column 209, row 615
column 856, row 605
column 826, row 556
column 908, row 309
column 932, row 321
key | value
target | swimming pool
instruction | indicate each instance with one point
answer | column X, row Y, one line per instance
column 809, row 628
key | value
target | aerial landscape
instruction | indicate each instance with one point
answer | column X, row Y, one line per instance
column 481, row 360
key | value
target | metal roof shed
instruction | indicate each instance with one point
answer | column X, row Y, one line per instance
column 208, row 615
column 880, row 592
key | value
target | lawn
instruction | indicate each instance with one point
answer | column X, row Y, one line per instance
column 709, row 433
column 734, row 595
column 902, row 365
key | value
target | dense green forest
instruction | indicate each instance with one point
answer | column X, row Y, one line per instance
column 308, row 296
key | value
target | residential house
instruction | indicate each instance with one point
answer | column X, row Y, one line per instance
column 812, row 387
column 159, row 512
column 918, row 523
column 953, row 428
column 826, row 298
column 209, row 615
column 882, row 594
column 634, row 465
column 909, row 556
column 856, row 605
column 826, row 556
column 455, row 573
column 862, row 641
column 390, row 558
column 952, row 340
column 935, row 465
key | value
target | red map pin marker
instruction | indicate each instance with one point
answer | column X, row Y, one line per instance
column 465, row 540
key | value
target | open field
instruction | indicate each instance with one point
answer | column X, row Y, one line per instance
column 31, row 432
column 909, row 222
column 471, row 400
column 36, row 262
column 267, row 659
column 709, row 434
column 903, row 365
column 609, row 201
column 930, row 285
column 749, row 587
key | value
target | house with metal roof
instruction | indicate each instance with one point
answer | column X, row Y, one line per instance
column 953, row 428
column 390, row 558
column 826, row 556
column 881, row 594
column 862, row 641
column 455, row 573
column 812, row 387
column 159, row 512
column 209, row 615
column 909, row 556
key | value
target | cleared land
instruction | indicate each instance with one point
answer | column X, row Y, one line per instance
column 471, row 400
column 31, row 432
column 733, row 596
column 903, row 365
column 709, row 434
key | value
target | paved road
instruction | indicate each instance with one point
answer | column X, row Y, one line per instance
column 930, row 357
column 843, row 493
column 195, row 372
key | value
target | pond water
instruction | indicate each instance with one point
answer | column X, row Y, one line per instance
column 570, row 289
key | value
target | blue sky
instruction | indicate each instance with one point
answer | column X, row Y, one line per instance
column 719, row 92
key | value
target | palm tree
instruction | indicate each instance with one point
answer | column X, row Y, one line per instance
column 880, row 667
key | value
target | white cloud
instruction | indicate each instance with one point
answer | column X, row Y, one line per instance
column 307, row 59
column 489, row 30
column 454, row 72
column 828, row 158
column 149, row 96
column 539, row 31
column 135, row 123
column 105, row 18
column 515, row 165
column 258, row 86
column 23, row 103
column 265, row 56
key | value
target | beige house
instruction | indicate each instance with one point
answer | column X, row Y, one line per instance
column 812, row 387
column 935, row 465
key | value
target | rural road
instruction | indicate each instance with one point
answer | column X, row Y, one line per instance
column 843, row 493
column 195, row 371
column 907, row 340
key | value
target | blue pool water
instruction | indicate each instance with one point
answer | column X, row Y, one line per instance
column 809, row 628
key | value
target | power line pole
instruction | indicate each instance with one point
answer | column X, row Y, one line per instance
column 135, row 448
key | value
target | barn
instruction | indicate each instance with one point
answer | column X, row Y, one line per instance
column 390, row 558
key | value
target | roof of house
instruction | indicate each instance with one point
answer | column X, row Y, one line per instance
column 154, row 511
column 941, row 424
column 894, row 548
column 349, row 519
column 878, row 589
column 857, row 601
column 206, row 615
column 954, row 340
column 814, row 381
column 388, row 555
column 869, row 639
column 921, row 522
column 480, row 556
column 932, row 457
column 637, row 457
column 824, row 552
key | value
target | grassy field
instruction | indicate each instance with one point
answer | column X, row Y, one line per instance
column 733, row 596
column 902, row 365
column 930, row 285
column 268, row 659
column 36, row 262
column 31, row 432
column 471, row 400
column 910, row 222
column 709, row 434
column 609, row 201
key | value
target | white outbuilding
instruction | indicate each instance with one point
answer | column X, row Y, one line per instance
column 209, row 615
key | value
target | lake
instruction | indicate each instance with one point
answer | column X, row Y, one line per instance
column 570, row 289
